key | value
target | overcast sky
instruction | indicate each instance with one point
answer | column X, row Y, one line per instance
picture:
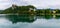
column 37, row 3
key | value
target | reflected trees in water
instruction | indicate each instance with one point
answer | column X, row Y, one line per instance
column 20, row 18
column 29, row 18
column 48, row 17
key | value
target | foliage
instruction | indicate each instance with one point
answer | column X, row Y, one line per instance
column 18, row 9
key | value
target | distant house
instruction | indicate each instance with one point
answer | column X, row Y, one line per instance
column 54, row 12
column 13, row 6
column 31, row 9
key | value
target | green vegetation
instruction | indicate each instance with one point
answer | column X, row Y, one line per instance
column 29, row 10
column 48, row 11
column 19, row 10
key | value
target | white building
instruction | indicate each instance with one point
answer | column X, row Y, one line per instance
column 54, row 11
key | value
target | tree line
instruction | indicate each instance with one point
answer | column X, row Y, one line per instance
column 29, row 9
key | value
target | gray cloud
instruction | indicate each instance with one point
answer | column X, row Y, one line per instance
column 37, row 3
column 40, row 3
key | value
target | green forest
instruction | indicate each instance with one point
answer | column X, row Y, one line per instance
column 29, row 10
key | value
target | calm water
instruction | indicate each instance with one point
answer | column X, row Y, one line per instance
column 20, row 21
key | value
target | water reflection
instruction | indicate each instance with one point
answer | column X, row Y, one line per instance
column 21, row 18
column 28, row 18
column 48, row 17
column 44, row 17
column 17, row 21
column 57, row 16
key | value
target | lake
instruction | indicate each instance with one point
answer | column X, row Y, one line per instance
column 25, row 21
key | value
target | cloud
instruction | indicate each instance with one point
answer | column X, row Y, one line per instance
column 5, row 4
column 44, row 3
column 37, row 3
column 40, row 3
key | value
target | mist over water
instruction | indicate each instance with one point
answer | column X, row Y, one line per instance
column 28, row 21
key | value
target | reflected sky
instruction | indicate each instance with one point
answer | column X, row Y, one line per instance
column 29, row 22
